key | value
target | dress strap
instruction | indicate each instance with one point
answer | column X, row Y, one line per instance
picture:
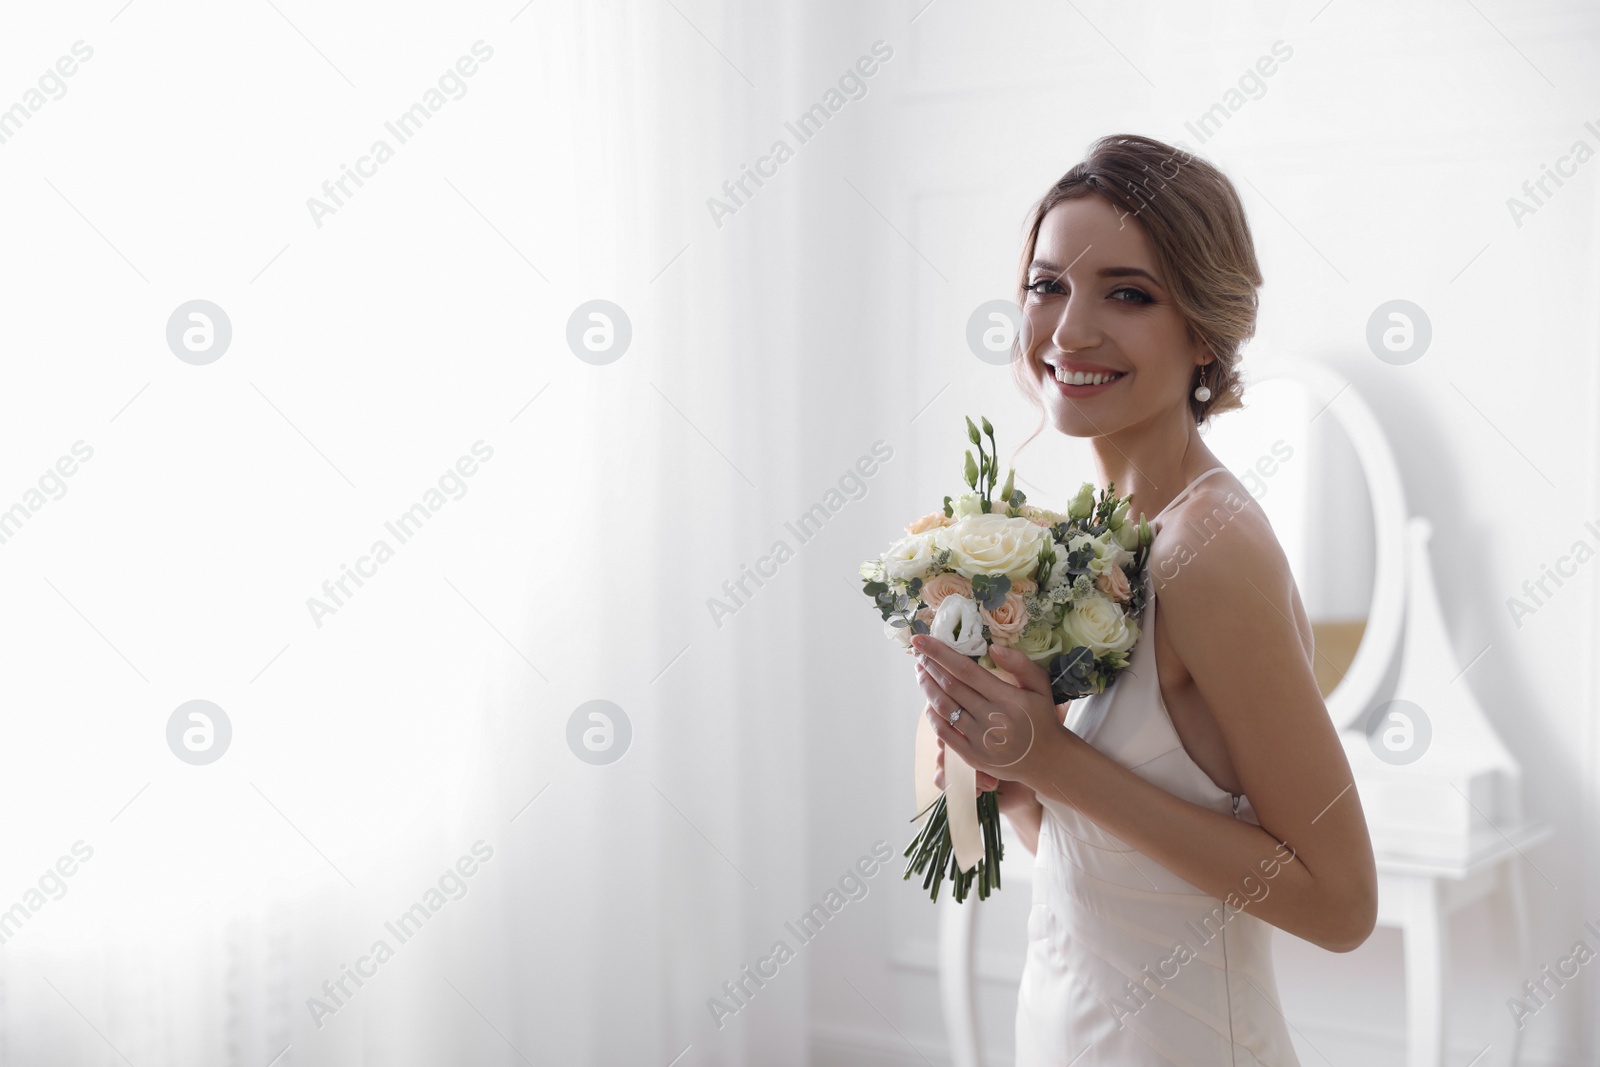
column 1185, row 490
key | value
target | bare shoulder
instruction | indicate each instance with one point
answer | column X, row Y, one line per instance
column 1217, row 522
column 1220, row 573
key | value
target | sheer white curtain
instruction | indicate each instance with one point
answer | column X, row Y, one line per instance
column 637, row 888
column 422, row 729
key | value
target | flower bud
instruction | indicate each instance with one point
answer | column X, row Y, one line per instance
column 1082, row 505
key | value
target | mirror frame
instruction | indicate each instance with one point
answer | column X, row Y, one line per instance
column 1381, row 640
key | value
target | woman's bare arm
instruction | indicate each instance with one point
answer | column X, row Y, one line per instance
column 1308, row 868
column 1025, row 819
column 1227, row 608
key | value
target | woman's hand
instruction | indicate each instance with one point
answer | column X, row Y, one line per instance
column 1005, row 732
column 1012, row 797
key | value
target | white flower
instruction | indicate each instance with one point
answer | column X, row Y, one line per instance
column 1116, row 554
column 970, row 503
column 1040, row 642
column 1107, row 551
column 910, row 557
column 1100, row 625
column 1127, row 535
column 1058, row 570
column 958, row 615
column 993, row 544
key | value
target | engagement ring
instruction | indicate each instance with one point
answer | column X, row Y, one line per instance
column 954, row 715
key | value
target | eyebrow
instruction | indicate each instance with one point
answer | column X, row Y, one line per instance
column 1104, row 272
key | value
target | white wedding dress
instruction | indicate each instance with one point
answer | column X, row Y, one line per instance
column 1106, row 983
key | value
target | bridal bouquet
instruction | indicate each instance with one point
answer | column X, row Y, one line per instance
column 1064, row 589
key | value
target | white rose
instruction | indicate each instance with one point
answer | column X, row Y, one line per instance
column 1040, row 642
column 1098, row 624
column 910, row 557
column 993, row 544
column 959, row 615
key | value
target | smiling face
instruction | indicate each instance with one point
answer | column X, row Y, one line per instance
column 1098, row 308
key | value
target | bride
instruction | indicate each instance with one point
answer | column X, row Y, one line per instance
column 1205, row 794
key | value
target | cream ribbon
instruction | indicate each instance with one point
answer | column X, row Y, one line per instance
column 960, row 787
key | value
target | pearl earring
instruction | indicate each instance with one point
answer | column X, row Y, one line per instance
column 1203, row 393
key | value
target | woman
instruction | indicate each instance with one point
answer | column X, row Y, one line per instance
column 1212, row 797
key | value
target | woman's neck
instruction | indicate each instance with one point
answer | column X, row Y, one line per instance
column 1152, row 466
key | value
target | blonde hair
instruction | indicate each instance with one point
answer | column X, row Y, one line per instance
column 1202, row 245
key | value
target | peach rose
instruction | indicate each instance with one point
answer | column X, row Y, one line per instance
column 940, row 586
column 1037, row 516
column 1007, row 621
column 1024, row 586
column 928, row 522
column 1114, row 584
